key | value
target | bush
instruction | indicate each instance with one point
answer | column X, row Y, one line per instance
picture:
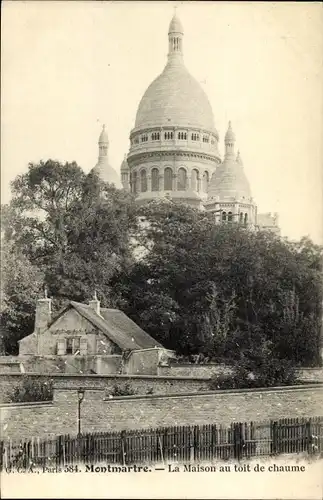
column 125, row 390
column 31, row 390
column 248, row 374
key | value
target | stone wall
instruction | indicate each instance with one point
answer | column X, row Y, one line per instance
column 139, row 384
column 134, row 412
column 194, row 370
column 143, row 361
column 211, row 369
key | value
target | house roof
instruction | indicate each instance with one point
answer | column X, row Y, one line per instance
column 117, row 327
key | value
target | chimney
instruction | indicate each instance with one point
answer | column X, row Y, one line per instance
column 95, row 304
column 43, row 313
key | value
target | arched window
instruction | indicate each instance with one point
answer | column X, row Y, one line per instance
column 168, row 179
column 134, row 182
column 224, row 216
column 182, row 180
column 194, row 180
column 205, row 181
column 143, row 181
column 205, row 138
column 168, row 136
column 241, row 217
column 155, row 179
column 245, row 219
column 155, row 136
column 229, row 216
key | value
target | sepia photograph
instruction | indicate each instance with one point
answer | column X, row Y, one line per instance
column 161, row 321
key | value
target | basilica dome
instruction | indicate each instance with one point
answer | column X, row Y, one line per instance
column 174, row 142
column 175, row 98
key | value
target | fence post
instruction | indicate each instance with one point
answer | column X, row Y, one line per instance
column 273, row 426
column 191, row 444
column 309, row 437
column 123, row 448
column 59, row 450
column 237, row 441
column 196, row 442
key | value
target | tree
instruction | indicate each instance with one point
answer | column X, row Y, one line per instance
column 65, row 230
column 36, row 218
column 21, row 286
column 218, row 283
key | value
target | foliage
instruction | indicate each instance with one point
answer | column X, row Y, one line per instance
column 124, row 390
column 206, row 288
column 258, row 367
column 32, row 389
column 66, row 230
column 21, row 285
column 216, row 291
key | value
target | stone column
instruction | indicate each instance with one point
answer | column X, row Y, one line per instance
column 149, row 182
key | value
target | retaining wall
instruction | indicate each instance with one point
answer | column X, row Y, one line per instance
column 99, row 413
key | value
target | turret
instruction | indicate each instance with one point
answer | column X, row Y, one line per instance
column 175, row 38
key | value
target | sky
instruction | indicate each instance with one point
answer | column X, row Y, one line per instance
column 69, row 67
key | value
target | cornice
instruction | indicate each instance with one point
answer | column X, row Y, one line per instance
column 144, row 157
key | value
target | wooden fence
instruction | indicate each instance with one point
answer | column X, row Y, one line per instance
column 170, row 444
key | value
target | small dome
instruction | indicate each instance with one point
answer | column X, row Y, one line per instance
column 229, row 136
column 104, row 136
column 175, row 25
column 229, row 182
column 106, row 173
column 124, row 165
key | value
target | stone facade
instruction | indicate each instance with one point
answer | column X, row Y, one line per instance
column 69, row 333
column 87, row 339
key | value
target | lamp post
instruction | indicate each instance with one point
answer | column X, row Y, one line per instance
column 80, row 397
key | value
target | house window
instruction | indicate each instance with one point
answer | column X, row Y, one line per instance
column 76, row 345
column 229, row 216
column 168, row 136
column 83, row 346
column 69, row 345
column 224, row 216
column 206, row 138
column 61, row 347
column 195, row 137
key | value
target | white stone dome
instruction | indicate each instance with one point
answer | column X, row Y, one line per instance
column 175, row 98
column 107, row 173
column 229, row 182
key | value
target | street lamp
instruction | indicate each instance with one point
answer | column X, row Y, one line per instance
column 80, row 397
